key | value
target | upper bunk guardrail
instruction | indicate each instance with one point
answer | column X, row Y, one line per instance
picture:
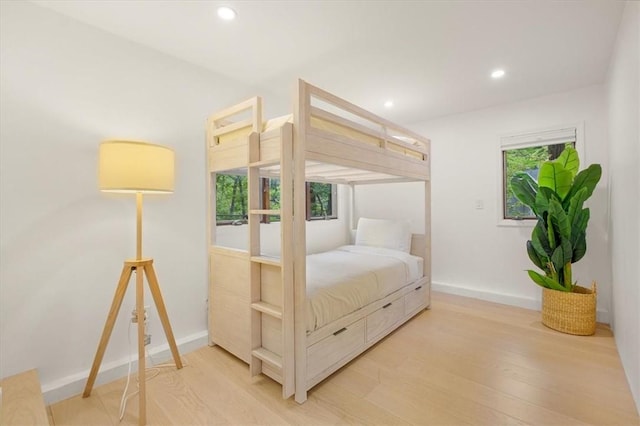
column 226, row 121
column 388, row 134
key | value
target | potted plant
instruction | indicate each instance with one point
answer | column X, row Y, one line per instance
column 559, row 238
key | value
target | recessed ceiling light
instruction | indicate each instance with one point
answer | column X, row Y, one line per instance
column 497, row 74
column 388, row 104
column 226, row 13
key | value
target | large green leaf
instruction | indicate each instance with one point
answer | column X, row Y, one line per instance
column 579, row 248
column 551, row 236
column 540, row 242
column 578, row 235
column 531, row 251
column 543, row 197
column 542, row 202
column 587, row 178
column 569, row 160
column 525, row 189
column 554, row 176
column 559, row 219
column 558, row 258
column 579, row 224
column 575, row 204
column 562, row 254
column 545, row 281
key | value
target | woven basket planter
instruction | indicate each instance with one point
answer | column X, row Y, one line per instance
column 572, row 313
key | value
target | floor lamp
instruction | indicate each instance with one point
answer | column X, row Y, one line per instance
column 135, row 167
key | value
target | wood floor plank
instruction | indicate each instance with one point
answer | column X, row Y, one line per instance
column 235, row 399
column 81, row 411
column 522, row 366
column 558, row 359
column 354, row 409
column 405, row 401
column 110, row 395
column 463, row 362
column 476, row 403
column 446, row 400
column 541, row 336
column 265, row 391
column 489, row 397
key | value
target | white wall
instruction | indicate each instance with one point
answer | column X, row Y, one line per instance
column 392, row 201
column 65, row 87
column 623, row 94
column 471, row 254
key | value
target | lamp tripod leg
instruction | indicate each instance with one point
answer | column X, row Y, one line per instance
column 162, row 312
column 108, row 327
column 142, row 383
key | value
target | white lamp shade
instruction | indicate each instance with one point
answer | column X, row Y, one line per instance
column 133, row 166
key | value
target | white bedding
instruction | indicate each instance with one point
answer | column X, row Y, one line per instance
column 344, row 280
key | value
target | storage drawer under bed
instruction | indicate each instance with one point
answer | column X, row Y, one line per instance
column 380, row 321
column 333, row 348
column 416, row 299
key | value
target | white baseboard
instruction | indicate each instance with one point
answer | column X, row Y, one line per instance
column 72, row 385
column 506, row 299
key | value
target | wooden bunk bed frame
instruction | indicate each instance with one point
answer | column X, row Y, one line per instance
column 257, row 303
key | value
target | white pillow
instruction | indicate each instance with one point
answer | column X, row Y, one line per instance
column 391, row 234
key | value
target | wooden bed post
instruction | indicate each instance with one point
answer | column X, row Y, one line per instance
column 287, row 252
column 300, row 116
column 354, row 223
column 427, row 232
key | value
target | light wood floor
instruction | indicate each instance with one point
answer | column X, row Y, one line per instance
column 464, row 362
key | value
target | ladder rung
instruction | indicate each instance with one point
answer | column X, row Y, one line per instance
column 268, row 357
column 269, row 212
column 265, row 163
column 268, row 308
column 267, row 260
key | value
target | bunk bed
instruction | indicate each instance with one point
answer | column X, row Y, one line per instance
column 260, row 307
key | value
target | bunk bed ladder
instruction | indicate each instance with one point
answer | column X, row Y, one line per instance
column 272, row 320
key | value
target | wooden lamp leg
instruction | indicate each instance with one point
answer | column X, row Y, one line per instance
column 142, row 383
column 162, row 312
column 108, row 327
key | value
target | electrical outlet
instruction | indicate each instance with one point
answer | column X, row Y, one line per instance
column 134, row 315
column 134, row 320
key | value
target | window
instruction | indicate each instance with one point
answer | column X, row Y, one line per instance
column 231, row 199
column 321, row 201
column 525, row 153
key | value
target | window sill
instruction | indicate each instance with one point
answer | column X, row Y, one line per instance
column 512, row 223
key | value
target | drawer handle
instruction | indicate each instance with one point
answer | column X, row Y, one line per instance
column 418, row 288
column 387, row 305
column 340, row 331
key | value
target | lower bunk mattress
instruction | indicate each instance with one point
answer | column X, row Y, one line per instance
column 348, row 278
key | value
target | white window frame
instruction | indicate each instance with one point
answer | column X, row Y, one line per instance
column 527, row 139
column 334, row 203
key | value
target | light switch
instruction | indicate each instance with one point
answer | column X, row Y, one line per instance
column 479, row 204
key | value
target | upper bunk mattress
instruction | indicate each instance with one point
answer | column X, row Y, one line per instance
column 344, row 280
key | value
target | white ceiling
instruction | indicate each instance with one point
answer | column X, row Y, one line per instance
column 432, row 58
